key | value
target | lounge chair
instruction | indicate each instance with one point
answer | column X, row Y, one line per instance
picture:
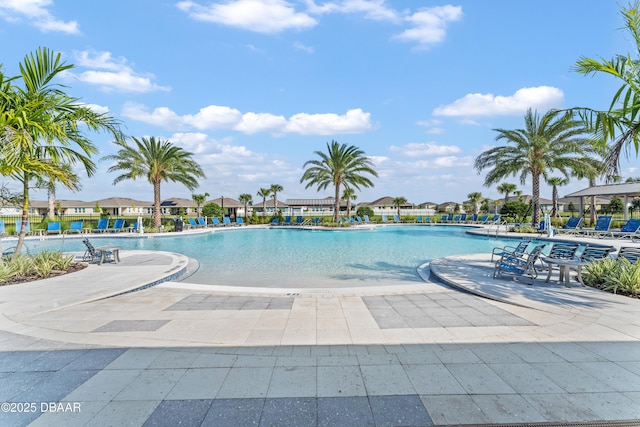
column 316, row 220
column 275, row 221
column 103, row 225
column 601, row 228
column 419, row 218
column 561, row 251
column 226, row 220
column 192, row 223
column 287, row 220
column 202, row 222
column 359, row 220
column 483, row 219
column 629, row 229
column 118, row 225
column 2, row 230
column 517, row 251
column 396, row 218
column 299, row 220
column 75, row 227
column 384, row 218
column 443, row 218
column 629, row 253
column 473, row 219
column 519, row 266
column 216, row 222
column 366, row 219
column 590, row 253
column 239, row 221
column 53, row 227
column 19, row 227
column 95, row 255
column 571, row 227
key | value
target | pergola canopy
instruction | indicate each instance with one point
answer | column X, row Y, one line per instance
column 628, row 189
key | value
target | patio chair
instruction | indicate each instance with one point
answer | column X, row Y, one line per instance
column 518, row 250
column 53, row 227
column 239, row 221
column 94, row 255
column 590, row 253
column 396, row 218
column 384, row 218
column 216, row 222
column 366, row 219
column 103, row 225
column 519, row 266
column 561, row 251
column 75, row 227
column 227, row 221
column 571, row 227
column 631, row 254
column 134, row 228
column 202, row 222
column 629, row 229
column 483, row 219
column 118, row 226
column 19, row 227
column 299, row 220
column 601, row 228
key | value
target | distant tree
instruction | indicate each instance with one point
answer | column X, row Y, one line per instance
column 246, row 200
column 571, row 208
column 199, row 200
column 475, row 198
column 484, row 205
column 516, row 210
column 348, row 195
column 398, row 202
column 506, row 189
column 212, row 210
column 631, row 179
column 340, row 165
column 264, row 193
column 616, row 205
column 554, row 182
column 156, row 160
column 364, row 210
column 275, row 189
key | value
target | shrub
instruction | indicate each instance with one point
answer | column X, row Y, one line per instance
column 365, row 210
column 613, row 275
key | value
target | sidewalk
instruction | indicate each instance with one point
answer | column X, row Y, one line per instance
column 425, row 354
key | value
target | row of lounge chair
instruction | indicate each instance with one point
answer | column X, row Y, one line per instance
column 602, row 228
column 518, row 261
column 201, row 222
column 54, row 227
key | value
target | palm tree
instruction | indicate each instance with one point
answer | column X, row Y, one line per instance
column 275, row 189
column 199, row 200
column 475, row 198
column 547, row 143
column 554, row 182
column 348, row 195
column 507, row 189
column 156, row 160
column 621, row 122
column 264, row 193
column 42, row 129
column 340, row 165
column 246, row 200
column 399, row 202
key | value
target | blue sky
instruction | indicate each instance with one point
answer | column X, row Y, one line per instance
column 254, row 87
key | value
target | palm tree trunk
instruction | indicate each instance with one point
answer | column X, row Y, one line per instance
column 156, row 205
column 25, row 215
column 554, row 210
column 535, row 200
column 51, row 198
column 264, row 207
column 592, row 200
column 336, row 208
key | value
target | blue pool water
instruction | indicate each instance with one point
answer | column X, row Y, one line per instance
column 303, row 258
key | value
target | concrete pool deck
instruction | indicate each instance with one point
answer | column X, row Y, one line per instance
column 414, row 354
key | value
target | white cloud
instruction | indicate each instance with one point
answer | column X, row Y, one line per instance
column 477, row 104
column 303, row 47
column 424, row 149
column 35, row 12
column 354, row 121
column 428, row 26
column 221, row 117
column 100, row 109
column 261, row 16
column 113, row 74
column 371, row 9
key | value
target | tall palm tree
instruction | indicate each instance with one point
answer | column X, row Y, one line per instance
column 475, row 198
column 246, row 200
column 547, row 143
column 275, row 189
column 506, row 189
column 42, row 128
column 555, row 182
column 264, row 193
column 348, row 195
column 156, row 160
column 398, row 202
column 621, row 122
column 199, row 200
column 340, row 165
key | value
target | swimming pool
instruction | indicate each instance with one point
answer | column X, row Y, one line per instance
column 280, row 257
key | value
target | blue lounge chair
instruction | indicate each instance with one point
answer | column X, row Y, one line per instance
column 103, row 225
column 226, row 220
column 202, row 222
column 384, row 218
column 95, row 255
column 463, row 218
column 192, row 223
column 118, row 225
column 631, row 254
column 19, row 227
column 396, row 218
column 2, row 230
column 517, row 251
column 443, row 218
column 133, row 228
column 239, row 221
column 601, row 228
column 316, row 221
column 519, row 266
column 366, row 219
column 419, row 218
column 75, row 227
column 299, row 220
column 473, row 219
column 483, row 219
column 275, row 221
column 571, row 227
column 629, row 229
column 53, row 227
column 216, row 222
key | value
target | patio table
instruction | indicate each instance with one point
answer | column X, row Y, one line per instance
column 104, row 250
column 564, row 267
